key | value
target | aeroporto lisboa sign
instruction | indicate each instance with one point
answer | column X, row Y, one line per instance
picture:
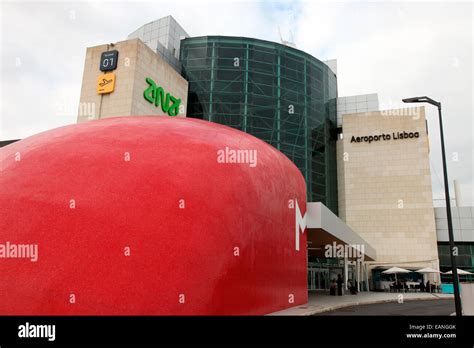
column 156, row 95
column 394, row 136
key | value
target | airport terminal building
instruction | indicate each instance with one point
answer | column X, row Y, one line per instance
column 367, row 171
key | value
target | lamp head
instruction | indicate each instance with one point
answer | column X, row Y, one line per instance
column 421, row 100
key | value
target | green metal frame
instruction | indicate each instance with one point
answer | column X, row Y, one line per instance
column 254, row 97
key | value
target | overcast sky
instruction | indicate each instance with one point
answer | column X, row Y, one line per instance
column 395, row 49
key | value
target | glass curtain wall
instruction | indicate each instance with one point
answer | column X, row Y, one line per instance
column 464, row 260
column 277, row 93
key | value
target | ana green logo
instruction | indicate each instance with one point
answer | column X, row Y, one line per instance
column 156, row 95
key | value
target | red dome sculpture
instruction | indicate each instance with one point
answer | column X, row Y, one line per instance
column 140, row 216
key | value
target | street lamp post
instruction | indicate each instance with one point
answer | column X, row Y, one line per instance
column 457, row 298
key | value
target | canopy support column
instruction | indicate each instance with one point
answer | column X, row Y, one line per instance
column 346, row 272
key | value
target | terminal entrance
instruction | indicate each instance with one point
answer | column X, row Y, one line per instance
column 334, row 249
column 322, row 271
column 318, row 279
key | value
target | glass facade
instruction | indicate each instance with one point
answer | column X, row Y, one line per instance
column 464, row 260
column 277, row 93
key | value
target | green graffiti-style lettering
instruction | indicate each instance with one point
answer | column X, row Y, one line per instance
column 156, row 95
column 149, row 92
column 174, row 108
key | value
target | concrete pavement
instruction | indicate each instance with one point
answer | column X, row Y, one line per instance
column 321, row 301
column 440, row 307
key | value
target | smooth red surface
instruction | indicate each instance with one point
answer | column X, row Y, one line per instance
column 136, row 204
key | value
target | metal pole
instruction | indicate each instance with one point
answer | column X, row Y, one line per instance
column 457, row 298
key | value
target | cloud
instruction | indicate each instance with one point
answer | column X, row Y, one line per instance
column 400, row 50
column 43, row 58
column 396, row 49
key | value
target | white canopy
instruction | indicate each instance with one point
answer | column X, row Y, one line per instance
column 395, row 270
column 460, row 272
column 428, row 270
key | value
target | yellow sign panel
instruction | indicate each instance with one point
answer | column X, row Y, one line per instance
column 106, row 83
